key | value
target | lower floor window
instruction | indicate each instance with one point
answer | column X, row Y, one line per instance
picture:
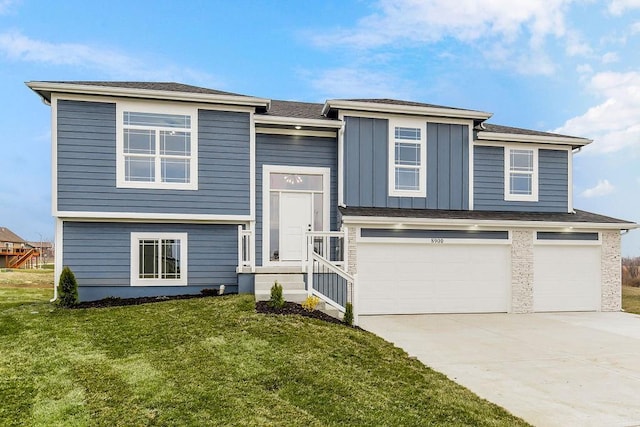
column 158, row 259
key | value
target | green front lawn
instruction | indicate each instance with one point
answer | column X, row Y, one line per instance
column 211, row 361
column 631, row 299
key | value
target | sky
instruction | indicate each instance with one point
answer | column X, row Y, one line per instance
column 571, row 67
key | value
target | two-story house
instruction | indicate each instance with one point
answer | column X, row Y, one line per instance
column 395, row 206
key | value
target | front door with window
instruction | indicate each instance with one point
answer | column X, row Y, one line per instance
column 296, row 200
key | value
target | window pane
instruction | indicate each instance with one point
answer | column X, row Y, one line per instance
column 175, row 170
column 407, row 154
column 521, row 160
column 318, row 212
column 139, row 141
column 413, row 134
column 171, row 259
column 175, row 143
column 139, row 169
column 148, row 262
column 155, row 119
column 283, row 181
column 521, row 183
column 274, row 227
column 407, row 179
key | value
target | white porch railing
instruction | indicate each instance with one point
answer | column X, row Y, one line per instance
column 245, row 245
column 326, row 275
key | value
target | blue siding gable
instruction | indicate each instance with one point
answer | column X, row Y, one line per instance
column 86, row 151
column 488, row 185
column 366, row 160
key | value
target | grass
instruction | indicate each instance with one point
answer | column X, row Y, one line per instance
column 211, row 361
column 631, row 299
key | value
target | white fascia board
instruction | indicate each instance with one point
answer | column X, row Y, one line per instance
column 404, row 109
column 147, row 93
column 443, row 222
column 151, row 217
column 536, row 139
column 297, row 121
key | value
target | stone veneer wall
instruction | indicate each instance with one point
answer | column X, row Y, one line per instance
column 522, row 271
column 611, row 273
column 352, row 259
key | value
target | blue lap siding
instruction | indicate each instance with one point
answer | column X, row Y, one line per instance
column 366, row 164
column 86, row 152
column 488, row 182
column 99, row 253
column 294, row 151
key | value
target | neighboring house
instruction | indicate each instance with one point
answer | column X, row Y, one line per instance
column 46, row 250
column 15, row 252
column 165, row 188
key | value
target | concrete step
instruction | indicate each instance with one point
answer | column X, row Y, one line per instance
column 331, row 311
column 293, row 295
column 264, row 282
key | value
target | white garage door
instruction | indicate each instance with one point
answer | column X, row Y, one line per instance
column 566, row 278
column 412, row 278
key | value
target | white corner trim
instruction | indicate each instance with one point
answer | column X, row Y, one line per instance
column 135, row 259
column 341, row 160
column 471, row 168
column 341, row 104
column 536, row 139
column 569, row 180
column 252, row 165
column 293, row 121
column 533, row 197
column 147, row 94
column 422, row 174
column 54, row 156
column 153, row 216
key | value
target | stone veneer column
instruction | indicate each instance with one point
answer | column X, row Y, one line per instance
column 611, row 273
column 521, row 271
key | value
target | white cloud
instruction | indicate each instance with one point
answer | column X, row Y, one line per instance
column 617, row 7
column 113, row 63
column 584, row 69
column 602, row 188
column 358, row 83
column 614, row 123
column 610, row 57
column 5, row 5
column 494, row 27
column 635, row 28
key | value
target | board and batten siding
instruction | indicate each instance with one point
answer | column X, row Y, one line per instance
column 99, row 254
column 283, row 150
column 488, row 182
column 366, row 164
column 86, row 151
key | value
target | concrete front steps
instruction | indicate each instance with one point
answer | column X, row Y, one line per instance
column 293, row 290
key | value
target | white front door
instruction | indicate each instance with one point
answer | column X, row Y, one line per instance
column 295, row 220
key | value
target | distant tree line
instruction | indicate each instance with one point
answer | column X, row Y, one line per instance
column 631, row 271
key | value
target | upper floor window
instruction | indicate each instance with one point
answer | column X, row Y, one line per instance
column 157, row 146
column 521, row 174
column 407, row 158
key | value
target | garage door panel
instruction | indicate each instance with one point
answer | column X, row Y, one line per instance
column 422, row 278
column 566, row 278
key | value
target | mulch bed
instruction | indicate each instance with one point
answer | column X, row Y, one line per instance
column 293, row 308
column 119, row 302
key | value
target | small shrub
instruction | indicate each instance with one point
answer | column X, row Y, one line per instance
column 67, row 288
column 277, row 300
column 310, row 303
column 348, row 314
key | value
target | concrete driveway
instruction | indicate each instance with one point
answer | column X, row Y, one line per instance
column 552, row 369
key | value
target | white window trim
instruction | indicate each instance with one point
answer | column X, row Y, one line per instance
column 165, row 108
column 422, row 176
column 135, row 259
column 533, row 197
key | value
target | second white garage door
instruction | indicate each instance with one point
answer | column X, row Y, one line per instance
column 414, row 278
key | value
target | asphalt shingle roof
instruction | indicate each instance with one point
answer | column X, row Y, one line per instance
column 401, row 102
column 488, row 127
column 168, row 86
column 579, row 216
column 302, row 110
column 7, row 235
